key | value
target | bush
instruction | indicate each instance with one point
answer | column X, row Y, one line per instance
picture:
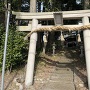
column 17, row 48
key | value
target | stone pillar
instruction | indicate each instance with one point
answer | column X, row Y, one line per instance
column 79, row 38
column 86, row 34
column 44, row 42
column 62, row 40
column 31, row 56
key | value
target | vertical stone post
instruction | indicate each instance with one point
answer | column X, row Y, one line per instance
column 86, row 34
column 31, row 56
column 78, row 35
column 44, row 42
column 62, row 39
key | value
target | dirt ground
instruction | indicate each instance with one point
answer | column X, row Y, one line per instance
column 15, row 80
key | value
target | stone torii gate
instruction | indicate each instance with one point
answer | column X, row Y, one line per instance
column 80, row 14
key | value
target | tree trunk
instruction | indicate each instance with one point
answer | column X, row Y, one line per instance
column 33, row 5
column 86, row 4
column 33, row 9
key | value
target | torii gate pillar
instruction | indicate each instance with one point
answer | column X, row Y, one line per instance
column 31, row 56
column 86, row 34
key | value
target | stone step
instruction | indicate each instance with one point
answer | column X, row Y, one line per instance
column 65, row 61
column 59, row 86
column 47, row 71
column 68, row 68
column 60, row 79
column 58, row 76
column 63, row 71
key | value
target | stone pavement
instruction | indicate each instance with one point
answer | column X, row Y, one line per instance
column 62, row 77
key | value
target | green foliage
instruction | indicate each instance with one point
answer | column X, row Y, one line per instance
column 16, row 5
column 1, row 6
column 17, row 48
column 61, row 5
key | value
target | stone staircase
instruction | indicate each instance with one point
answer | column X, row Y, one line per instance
column 58, row 73
column 62, row 77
